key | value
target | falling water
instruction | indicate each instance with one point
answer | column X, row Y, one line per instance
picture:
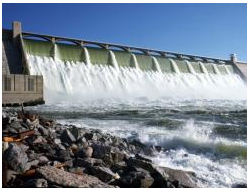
column 86, row 57
column 216, row 70
column 190, row 67
column 203, row 68
column 155, row 65
column 133, row 62
column 227, row 70
column 175, row 67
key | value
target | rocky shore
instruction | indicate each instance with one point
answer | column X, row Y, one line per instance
column 39, row 152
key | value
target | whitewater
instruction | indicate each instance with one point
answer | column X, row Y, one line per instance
column 199, row 117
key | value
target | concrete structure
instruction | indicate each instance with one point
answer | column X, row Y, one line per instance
column 15, row 65
column 18, row 88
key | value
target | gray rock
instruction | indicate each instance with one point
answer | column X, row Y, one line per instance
column 67, row 137
column 36, row 183
column 99, row 151
column 43, row 160
column 63, row 155
column 75, row 132
column 85, row 152
column 16, row 158
column 66, row 179
column 42, row 130
column 137, row 179
column 87, row 162
column 102, row 173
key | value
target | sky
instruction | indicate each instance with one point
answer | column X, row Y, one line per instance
column 213, row 30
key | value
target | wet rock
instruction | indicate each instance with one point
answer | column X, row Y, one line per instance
column 67, row 179
column 137, row 179
column 67, row 137
column 133, row 162
column 239, row 185
column 158, row 148
column 140, row 157
column 16, row 158
column 36, row 183
column 85, row 152
column 91, row 136
column 166, row 177
column 103, row 173
column 149, row 151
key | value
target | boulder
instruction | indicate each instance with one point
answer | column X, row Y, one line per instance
column 99, row 151
column 75, row 132
column 42, row 130
column 85, row 152
column 16, row 158
column 103, row 173
column 87, row 162
column 136, row 179
column 36, row 183
column 67, row 137
column 66, row 179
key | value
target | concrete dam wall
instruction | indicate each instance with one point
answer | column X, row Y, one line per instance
column 146, row 62
column 65, row 62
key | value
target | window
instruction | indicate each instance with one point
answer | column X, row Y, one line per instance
column 30, row 84
column 7, row 84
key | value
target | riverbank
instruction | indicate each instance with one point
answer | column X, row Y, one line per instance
column 39, row 152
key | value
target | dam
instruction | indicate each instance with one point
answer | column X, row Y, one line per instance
column 192, row 106
column 117, row 69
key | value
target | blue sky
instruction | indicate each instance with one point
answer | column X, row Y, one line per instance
column 213, row 30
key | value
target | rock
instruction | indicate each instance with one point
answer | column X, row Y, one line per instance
column 43, row 160
column 63, row 155
column 75, row 132
column 164, row 177
column 67, row 137
column 158, row 148
column 150, row 151
column 113, row 158
column 67, row 179
column 85, row 152
column 77, row 170
column 99, row 151
column 239, row 185
column 87, row 162
column 89, row 136
column 42, row 130
column 140, row 157
column 137, row 179
column 103, row 173
column 16, row 158
column 36, row 183
column 40, row 139
column 57, row 141
column 133, row 162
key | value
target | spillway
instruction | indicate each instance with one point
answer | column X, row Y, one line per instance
column 66, row 80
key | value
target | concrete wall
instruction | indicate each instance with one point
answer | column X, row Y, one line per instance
column 242, row 67
column 20, row 91
column 11, row 54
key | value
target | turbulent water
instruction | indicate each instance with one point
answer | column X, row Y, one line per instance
column 200, row 118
